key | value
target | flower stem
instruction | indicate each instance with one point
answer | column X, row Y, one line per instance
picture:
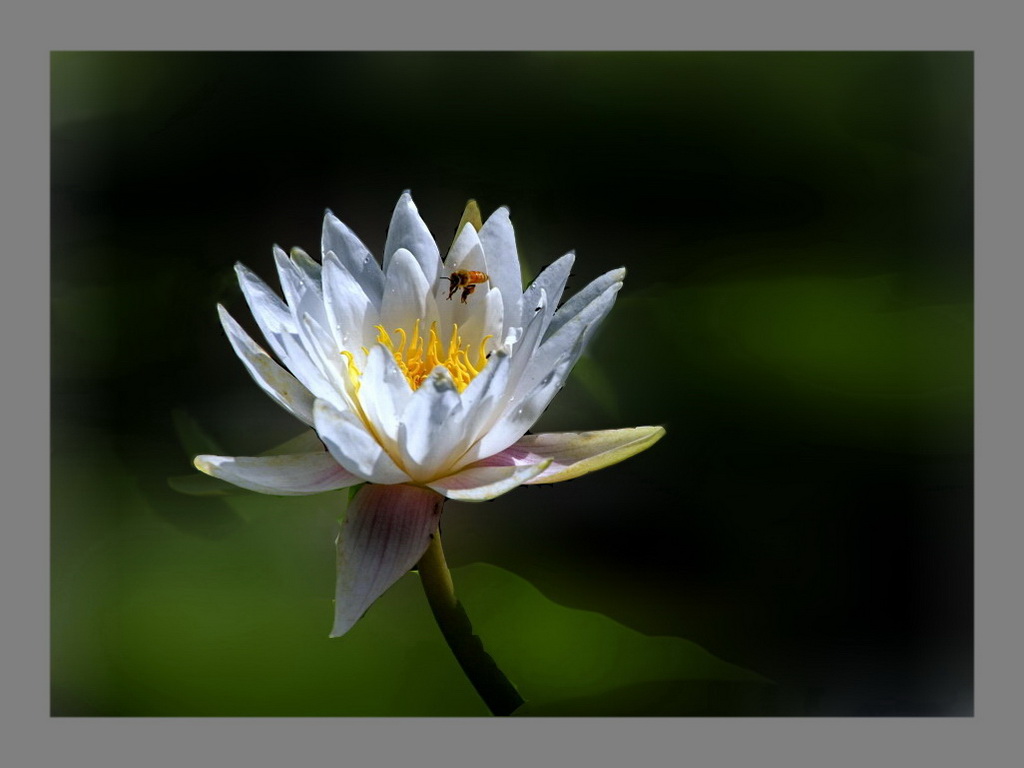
column 498, row 693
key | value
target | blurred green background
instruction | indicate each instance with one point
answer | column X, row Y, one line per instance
column 797, row 229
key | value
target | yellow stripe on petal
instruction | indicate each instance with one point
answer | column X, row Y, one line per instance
column 576, row 453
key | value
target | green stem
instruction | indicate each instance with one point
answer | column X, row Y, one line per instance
column 498, row 693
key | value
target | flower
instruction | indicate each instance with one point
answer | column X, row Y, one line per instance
column 420, row 380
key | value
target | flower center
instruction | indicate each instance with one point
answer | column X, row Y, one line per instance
column 418, row 356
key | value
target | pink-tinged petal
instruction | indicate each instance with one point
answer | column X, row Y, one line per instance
column 282, row 387
column 481, row 483
column 348, row 440
column 407, row 230
column 296, row 474
column 385, row 533
column 354, row 257
column 573, row 454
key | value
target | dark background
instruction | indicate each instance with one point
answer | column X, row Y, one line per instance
column 797, row 229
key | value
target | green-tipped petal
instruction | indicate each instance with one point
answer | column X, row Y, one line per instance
column 573, row 454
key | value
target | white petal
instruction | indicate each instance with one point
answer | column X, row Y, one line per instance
column 429, row 430
column 386, row 531
column 576, row 453
column 351, row 314
column 307, row 264
column 572, row 334
column 383, row 394
column 407, row 296
column 499, row 242
column 348, row 440
column 354, row 257
column 282, row 387
column 479, row 318
column 271, row 314
column 407, row 230
column 330, row 364
column 482, row 399
column 466, row 254
column 304, row 295
column 526, row 346
column 480, row 483
column 584, row 298
column 552, row 281
column 297, row 474
column 309, row 370
column 524, row 411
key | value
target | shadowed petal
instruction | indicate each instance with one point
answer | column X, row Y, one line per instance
column 552, row 282
column 282, row 387
column 385, row 533
column 296, row 474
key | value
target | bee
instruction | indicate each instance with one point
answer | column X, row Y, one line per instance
column 465, row 279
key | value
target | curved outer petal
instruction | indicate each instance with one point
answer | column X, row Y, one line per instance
column 385, row 533
column 481, row 483
column 271, row 314
column 552, row 282
column 578, row 302
column 407, row 230
column 302, row 294
column 499, row 242
column 570, row 339
column 354, row 257
column 282, row 387
column 357, row 450
column 296, row 474
column 573, row 454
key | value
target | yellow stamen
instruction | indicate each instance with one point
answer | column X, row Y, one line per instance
column 354, row 374
column 417, row 357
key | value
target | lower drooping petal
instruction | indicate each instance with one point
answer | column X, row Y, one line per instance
column 573, row 454
column 478, row 482
column 386, row 531
column 296, row 474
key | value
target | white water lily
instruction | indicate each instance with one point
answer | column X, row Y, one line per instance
column 416, row 385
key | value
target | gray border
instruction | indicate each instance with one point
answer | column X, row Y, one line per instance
column 31, row 738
